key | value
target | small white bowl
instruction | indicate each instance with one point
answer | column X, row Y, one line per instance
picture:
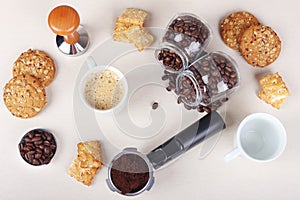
column 93, row 68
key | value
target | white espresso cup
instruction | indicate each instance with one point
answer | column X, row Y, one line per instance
column 94, row 68
column 260, row 137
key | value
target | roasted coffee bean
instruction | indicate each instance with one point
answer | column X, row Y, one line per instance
column 37, row 147
column 169, row 89
column 171, row 78
column 207, row 109
column 154, row 105
column 165, row 77
column 35, row 139
column 187, row 107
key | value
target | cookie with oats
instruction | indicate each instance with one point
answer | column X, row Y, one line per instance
column 260, row 45
column 24, row 96
column 36, row 63
column 233, row 27
column 274, row 90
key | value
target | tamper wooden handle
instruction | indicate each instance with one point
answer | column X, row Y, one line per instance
column 64, row 21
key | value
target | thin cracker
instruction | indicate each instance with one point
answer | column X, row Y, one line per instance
column 129, row 29
column 133, row 16
column 87, row 163
column 274, row 90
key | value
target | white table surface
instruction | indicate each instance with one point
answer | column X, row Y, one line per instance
column 24, row 25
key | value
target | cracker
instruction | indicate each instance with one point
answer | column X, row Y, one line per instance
column 143, row 41
column 36, row 63
column 233, row 27
column 121, row 30
column 260, row 45
column 88, row 161
column 129, row 28
column 133, row 16
column 24, row 96
column 274, row 90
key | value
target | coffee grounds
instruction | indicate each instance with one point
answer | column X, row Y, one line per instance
column 129, row 173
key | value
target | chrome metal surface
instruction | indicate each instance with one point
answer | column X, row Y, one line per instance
column 74, row 49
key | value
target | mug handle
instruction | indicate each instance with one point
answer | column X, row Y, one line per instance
column 91, row 62
column 232, row 154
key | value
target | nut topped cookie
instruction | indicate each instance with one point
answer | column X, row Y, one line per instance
column 260, row 45
column 36, row 63
column 233, row 27
column 24, row 96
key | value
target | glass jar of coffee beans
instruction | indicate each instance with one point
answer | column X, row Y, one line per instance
column 207, row 83
column 184, row 41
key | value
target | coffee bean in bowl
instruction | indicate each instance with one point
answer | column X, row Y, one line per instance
column 37, row 147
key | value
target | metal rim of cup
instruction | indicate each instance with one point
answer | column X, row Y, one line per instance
column 150, row 182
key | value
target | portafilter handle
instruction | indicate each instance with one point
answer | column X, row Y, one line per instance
column 207, row 126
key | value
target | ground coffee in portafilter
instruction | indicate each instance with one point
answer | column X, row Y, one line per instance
column 37, row 147
column 129, row 173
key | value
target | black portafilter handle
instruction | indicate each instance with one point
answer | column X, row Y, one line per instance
column 207, row 126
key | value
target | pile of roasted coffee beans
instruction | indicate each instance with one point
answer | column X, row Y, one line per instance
column 37, row 147
column 187, row 33
column 170, row 59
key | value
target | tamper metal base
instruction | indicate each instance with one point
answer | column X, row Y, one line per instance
column 74, row 49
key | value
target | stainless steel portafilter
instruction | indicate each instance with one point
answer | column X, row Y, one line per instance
column 130, row 172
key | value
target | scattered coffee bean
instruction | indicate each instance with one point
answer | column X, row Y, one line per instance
column 154, row 105
column 37, row 147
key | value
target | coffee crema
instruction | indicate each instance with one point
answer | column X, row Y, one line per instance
column 103, row 90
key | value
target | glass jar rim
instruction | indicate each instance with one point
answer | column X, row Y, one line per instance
column 177, row 51
column 190, row 75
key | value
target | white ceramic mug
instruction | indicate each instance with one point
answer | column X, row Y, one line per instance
column 94, row 68
column 260, row 137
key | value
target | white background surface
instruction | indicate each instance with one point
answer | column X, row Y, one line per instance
column 24, row 25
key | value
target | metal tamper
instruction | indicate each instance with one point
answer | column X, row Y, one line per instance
column 71, row 37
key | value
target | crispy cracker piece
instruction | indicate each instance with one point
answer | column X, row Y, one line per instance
column 133, row 16
column 87, row 163
column 121, row 31
column 129, row 29
column 144, row 41
column 274, row 90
